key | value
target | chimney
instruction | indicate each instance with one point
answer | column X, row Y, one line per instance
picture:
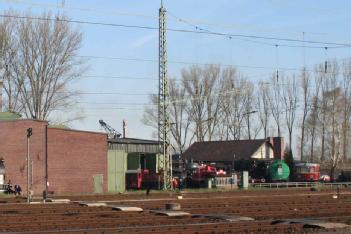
column 124, row 129
column 1, row 90
column 279, row 147
column 278, row 144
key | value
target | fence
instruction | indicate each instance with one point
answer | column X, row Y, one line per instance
column 3, row 187
column 228, row 181
column 301, row 184
column 225, row 181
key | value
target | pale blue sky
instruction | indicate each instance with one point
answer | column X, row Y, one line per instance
column 321, row 20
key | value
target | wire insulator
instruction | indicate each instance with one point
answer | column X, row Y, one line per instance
column 326, row 61
column 277, row 75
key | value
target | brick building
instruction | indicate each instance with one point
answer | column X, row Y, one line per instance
column 75, row 161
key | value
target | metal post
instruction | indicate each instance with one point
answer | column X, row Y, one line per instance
column 46, row 163
column 29, row 133
column 28, row 181
column 31, row 173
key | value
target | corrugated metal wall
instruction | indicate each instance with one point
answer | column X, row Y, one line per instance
column 132, row 148
column 117, row 166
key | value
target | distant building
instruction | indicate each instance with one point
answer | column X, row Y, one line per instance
column 73, row 161
column 225, row 153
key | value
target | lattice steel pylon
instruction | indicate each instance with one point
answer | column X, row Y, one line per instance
column 165, row 163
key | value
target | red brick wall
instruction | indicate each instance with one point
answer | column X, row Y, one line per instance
column 13, row 148
column 74, row 157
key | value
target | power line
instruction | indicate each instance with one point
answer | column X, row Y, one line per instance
column 107, row 108
column 201, row 64
column 118, row 58
column 83, row 9
column 180, row 30
column 116, row 13
column 118, row 103
column 230, row 36
column 107, row 93
column 118, row 77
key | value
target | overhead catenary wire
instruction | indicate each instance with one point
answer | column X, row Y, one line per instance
column 133, row 14
column 118, row 77
column 204, row 32
column 201, row 64
column 229, row 36
column 142, row 109
column 82, row 9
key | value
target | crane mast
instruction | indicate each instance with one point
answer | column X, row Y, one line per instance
column 111, row 132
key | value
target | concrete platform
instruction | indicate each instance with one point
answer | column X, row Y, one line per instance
column 126, row 208
column 92, row 204
column 313, row 223
column 59, row 201
column 171, row 213
column 226, row 217
column 35, row 203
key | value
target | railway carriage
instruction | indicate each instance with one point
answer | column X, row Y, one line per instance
column 309, row 172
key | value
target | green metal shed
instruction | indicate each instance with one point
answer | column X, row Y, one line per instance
column 117, row 166
column 129, row 155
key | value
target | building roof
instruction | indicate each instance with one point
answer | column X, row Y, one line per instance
column 223, row 150
column 132, row 141
column 9, row 116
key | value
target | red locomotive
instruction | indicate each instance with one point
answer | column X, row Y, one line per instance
column 144, row 178
column 199, row 174
column 309, row 172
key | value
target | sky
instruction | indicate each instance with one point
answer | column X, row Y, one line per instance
column 122, row 67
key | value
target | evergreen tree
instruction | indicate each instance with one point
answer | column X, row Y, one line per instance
column 289, row 159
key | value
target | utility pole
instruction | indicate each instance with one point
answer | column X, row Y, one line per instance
column 248, row 122
column 165, row 163
column 29, row 134
column 1, row 87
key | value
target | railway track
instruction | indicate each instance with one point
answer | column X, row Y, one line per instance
column 208, row 212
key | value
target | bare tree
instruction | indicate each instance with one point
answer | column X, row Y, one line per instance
column 150, row 116
column 213, row 96
column 346, row 85
column 43, row 63
column 312, row 119
column 289, row 96
column 180, row 121
column 275, row 102
column 233, row 105
column 8, row 51
column 321, row 78
column 262, row 105
column 312, row 125
column 334, row 129
column 306, row 92
column 178, row 116
column 203, row 88
column 192, row 82
column 330, row 122
column 228, row 91
column 253, row 127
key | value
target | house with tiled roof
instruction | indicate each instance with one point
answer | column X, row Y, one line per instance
column 225, row 152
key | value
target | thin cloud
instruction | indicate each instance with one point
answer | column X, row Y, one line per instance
column 144, row 40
